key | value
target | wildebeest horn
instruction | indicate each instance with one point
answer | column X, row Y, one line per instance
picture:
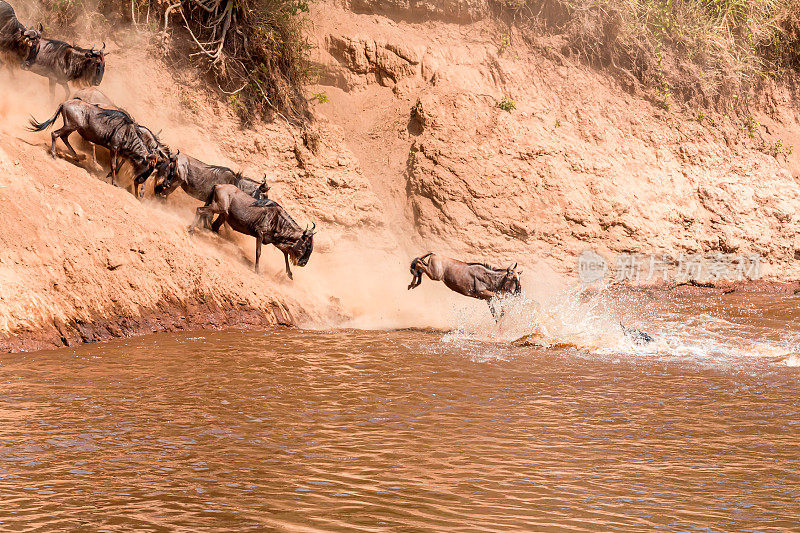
column 103, row 49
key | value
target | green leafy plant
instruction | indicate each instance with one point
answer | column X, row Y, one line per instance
column 320, row 97
column 506, row 104
column 779, row 148
column 505, row 43
column 750, row 127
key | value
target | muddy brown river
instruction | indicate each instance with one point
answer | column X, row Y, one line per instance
column 417, row 430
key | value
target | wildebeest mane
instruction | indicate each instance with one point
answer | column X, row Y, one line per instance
column 264, row 202
column 284, row 214
column 116, row 113
column 156, row 137
column 220, row 168
column 487, row 266
column 116, row 119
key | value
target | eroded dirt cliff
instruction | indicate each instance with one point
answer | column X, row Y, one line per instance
column 583, row 160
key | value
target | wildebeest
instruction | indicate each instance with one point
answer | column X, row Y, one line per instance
column 18, row 45
column 112, row 129
column 476, row 280
column 265, row 220
column 95, row 96
column 198, row 179
column 62, row 63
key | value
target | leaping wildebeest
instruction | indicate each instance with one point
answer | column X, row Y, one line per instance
column 18, row 45
column 476, row 280
column 265, row 220
column 112, row 129
column 63, row 63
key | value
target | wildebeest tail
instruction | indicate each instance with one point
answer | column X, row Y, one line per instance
column 40, row 126
column 419, row 260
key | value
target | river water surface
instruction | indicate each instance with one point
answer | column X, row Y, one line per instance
column 413, row 430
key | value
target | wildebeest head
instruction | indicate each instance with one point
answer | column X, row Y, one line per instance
column 30, row 38
column 95, row 65
column 510, row 282
column 167, row 171
column 300, row 252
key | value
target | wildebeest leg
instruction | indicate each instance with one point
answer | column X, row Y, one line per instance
column 62, row 133
column 66, row 91
column 201, row 213
column 493, row 305
column 55, row 135
column 138, row 188
column 288, row 270
column 491, row 300
column 258, row 250
column 72, row 151
column 52, row 89
column 493, row 310
column 217, row 223
column 114, row 168
column 119, row 167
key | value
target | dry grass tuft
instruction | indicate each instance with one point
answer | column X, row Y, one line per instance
column 709, row 52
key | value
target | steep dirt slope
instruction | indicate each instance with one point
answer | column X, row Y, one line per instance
column 580, row 162
column 82, row 260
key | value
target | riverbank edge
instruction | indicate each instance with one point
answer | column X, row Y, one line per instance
column 167, row 317
column 694, row 288
column 181, row 316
